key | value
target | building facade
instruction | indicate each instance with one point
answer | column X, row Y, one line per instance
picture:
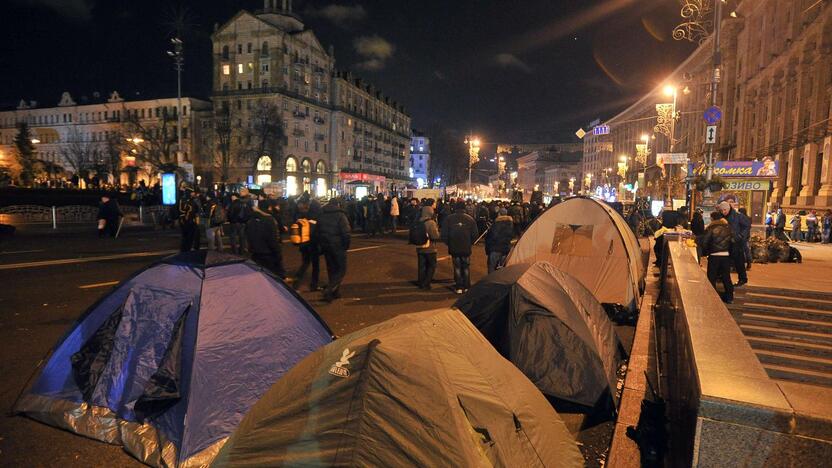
column 420, row 159
column 551, row 172
column 339, row 133
column 774, row 97
column 116, row 139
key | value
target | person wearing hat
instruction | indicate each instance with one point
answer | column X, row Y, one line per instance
column 189, row 209
column 459, row 231
column 716, row 245
column 498, row 240
column 264, row 241
column 426, row 228
column 740, row 229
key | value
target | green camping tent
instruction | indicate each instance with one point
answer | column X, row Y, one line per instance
column 421, row 389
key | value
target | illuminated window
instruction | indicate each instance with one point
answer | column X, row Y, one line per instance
column 239, row 68
column 307, row 165
column 320, row 168
column 291, row 165
column 264, row 164
column 320, row 187
column 291, row 186
column 251, row 66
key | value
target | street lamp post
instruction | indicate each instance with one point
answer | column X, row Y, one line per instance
column 178, row 62
column 671, row 91
column 473, row 155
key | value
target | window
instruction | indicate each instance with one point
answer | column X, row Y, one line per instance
column 264, row 67
column 320, row 168
column 248, row 47
column 239, row 48
column 291, row 164
column 251, row 66
column 264, row 164
column 225, row 51
column 239, row 68
column 264, row 49
column 226, row 69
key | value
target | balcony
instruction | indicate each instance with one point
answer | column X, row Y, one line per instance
column 299, row 115
column 298, row 132
column 320, row 136
column 318, row 120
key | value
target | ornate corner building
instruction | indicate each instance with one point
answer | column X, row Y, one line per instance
column 339, row 132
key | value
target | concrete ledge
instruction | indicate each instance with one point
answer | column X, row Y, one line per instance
column 724, row 408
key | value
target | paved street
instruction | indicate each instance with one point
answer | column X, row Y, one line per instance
column 49, row 279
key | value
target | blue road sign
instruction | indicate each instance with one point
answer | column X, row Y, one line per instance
column 601, row 130
column 712, row 115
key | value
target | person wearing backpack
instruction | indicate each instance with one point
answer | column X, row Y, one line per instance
column 215, row 213
column 423, row 233
column 459, row 231
column 303, row 234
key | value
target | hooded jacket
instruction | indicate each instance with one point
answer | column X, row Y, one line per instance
column 718, row 237
column 459, row 231
column 430, row 228
column 500, row 235
column 333, row 228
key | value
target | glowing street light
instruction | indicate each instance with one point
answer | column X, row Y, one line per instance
column 670, row 91
column 35, row 141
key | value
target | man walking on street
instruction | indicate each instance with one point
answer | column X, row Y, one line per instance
column 215, row 216
column 394, row 213
column 263, row 241
column 239, row 211
column 716, row 244
column 498, row 241
column 189, row 209
column 108, row 216
column 459, row 231
column 423, row 233
column 780, row 226
column 333, row 234
column 306, row 225
column 740, row 227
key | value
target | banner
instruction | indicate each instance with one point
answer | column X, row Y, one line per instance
column 761, row 184
column 671, row 158
column 767, row 168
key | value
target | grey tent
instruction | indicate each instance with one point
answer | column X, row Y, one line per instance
column 551, row 327
column 592, row 242
column 422, row 389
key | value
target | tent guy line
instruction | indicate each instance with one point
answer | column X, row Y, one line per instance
column 98, row 285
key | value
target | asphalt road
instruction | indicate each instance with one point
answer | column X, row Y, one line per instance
column 49, row 279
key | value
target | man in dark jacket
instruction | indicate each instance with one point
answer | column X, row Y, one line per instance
column 716, row 244
column 309, row 251
column 189, row 210
column 498, row 240
column 333, row 236
column 109, row 212
column 740, row 228
column 459, row 232
column 239, row 210
column 263, row 243
column 426, row 253
column 780, row 225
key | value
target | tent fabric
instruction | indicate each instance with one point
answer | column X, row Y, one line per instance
column 168, row 363
column 422, row 389
column 589, row 240
column 553, row 330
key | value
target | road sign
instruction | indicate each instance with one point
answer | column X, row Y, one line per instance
column 601, row 130
column 580, row 133
column 710, row 135
column 712, row 115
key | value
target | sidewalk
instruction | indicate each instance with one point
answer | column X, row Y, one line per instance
column 814, row 274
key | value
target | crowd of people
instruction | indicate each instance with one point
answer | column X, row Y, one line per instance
column 804, row 227
column 255, row 224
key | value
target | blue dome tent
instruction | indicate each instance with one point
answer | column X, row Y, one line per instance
column 168, row 363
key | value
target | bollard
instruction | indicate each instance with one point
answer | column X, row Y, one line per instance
column 54, row 219
column 141, row 215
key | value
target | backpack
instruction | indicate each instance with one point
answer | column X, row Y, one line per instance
column 418, row 234
column 300, row 232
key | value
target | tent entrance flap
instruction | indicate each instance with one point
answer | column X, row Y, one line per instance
column 88, row 363
column 572, row 239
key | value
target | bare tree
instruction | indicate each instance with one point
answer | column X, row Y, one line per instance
column 114, row 147
column 158, row 139
column 224, row 133
column 264, row 134
column 78, row 151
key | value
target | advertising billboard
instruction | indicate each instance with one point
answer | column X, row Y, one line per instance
column 767, row 168
column 168, row 189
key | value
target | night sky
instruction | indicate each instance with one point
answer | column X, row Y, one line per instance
column 530, row 71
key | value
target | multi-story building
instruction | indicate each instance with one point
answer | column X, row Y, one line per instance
column 549, row 171
column 775, row 97
column 419, row 158
column 91, row 135
column 338, row 131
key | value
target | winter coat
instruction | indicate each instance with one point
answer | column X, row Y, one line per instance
column 516, row 213
column 239, row 211
column 740, row 225
column 109, row 211
column 432, row 230
column 500, row 235
column 780, row 223
column 459, row 231
column 697, row 225
column 394, row 207
column 333, row 230
column 718, row 237
column 261, row 232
